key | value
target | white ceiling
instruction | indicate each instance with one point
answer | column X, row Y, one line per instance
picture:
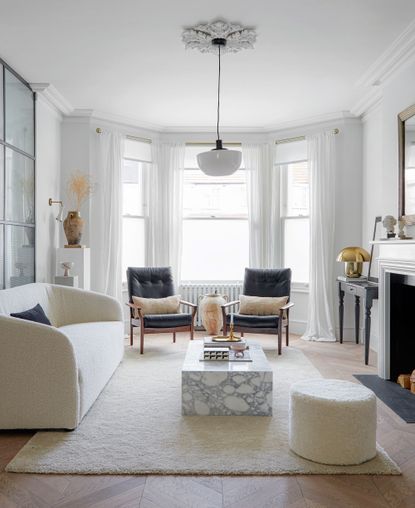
column 125, row 57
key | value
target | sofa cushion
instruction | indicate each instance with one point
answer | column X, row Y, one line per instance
column 167, row 320
column 253, row 321
column 36, row 314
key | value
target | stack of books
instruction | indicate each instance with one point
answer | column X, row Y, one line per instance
column 213, row 350
column 208, row 342
column 344, row 278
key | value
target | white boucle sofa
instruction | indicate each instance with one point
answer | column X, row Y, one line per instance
column 51, row 375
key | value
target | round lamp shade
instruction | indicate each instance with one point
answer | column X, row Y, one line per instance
column 220, row 162
column 353, row 254
column 353, row 257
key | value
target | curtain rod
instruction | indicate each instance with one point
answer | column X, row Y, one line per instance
column 98, row 130
column 298, row 138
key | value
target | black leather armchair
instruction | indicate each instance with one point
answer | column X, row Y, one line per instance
column 263, row 282
column 156, row 283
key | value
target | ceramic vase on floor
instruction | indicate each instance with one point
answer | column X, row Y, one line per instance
column 73, row 226
column 211, row 312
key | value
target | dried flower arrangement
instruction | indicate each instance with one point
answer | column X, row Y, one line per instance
column 80, row 188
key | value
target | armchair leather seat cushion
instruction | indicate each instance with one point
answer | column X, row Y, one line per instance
column 167, row 320
column 249, row 321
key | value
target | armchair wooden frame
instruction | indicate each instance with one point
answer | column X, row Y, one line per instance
column 139, row 323
column 283, row 322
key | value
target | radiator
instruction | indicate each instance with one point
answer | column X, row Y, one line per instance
column 193, row 291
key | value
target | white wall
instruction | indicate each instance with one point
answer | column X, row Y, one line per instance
column 380, row 158
column 76, row 153
column 48, row 166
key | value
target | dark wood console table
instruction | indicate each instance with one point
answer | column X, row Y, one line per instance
column 369, row 292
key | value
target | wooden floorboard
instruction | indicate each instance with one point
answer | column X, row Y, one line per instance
column 105, row 491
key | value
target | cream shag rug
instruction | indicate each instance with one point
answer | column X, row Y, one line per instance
column 136, row 427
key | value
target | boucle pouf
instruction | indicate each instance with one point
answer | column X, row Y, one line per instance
column 332, row 421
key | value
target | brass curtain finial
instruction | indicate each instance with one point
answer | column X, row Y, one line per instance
column 98, row 130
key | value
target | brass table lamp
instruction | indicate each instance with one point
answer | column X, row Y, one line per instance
column 353, row 257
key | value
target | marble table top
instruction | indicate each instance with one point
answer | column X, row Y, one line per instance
column 192, row 361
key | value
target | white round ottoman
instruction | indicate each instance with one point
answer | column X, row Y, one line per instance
column 332, row 421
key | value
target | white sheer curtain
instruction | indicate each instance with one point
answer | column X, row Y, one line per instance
column 165, row 207
column 263, row 205
column 106, row 214
column 321, row 159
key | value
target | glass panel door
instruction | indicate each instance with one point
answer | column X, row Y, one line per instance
column 20, row 127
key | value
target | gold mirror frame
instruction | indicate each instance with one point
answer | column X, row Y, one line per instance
column 402, row 117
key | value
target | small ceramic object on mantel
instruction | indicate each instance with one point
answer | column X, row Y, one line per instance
column 389, row 223
column 401, row 232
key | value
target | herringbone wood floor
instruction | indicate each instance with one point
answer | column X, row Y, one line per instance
column 333, row 360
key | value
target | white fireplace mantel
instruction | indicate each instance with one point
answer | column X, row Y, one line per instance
column 395, row 256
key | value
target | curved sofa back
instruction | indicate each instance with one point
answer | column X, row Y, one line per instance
column 25, row 297
column 63, row 305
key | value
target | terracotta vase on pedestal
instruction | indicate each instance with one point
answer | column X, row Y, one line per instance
column 73, row 226
column 211, row 312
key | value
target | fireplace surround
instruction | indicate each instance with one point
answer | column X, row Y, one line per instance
column 396, row 351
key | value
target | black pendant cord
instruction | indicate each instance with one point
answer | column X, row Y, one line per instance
column 218, row 107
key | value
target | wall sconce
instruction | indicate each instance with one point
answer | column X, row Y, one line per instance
column 60, row 203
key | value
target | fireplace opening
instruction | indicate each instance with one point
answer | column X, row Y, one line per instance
column 402, row 325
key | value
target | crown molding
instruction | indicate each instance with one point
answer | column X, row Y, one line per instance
column 390, row 61
column 51, row 94
column 209, row 129
column 367, row 102
column 311, row 120
column 300, row 122
column 123, row 120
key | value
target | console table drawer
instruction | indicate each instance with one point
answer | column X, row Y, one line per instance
column 351, row 289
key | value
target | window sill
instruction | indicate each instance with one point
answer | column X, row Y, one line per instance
column 297, row 287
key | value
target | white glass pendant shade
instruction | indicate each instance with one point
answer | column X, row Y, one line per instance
column 219, row 161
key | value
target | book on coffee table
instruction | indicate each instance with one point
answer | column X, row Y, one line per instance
column 209, row 342
column 227, row 355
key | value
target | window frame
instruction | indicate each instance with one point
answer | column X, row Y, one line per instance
column 201, row 216
column 143, row 217
column 297, row 286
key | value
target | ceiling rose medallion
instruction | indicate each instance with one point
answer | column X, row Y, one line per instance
column 219, row 37
column 201, row 36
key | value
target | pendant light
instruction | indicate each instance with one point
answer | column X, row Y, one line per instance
column 220, row 161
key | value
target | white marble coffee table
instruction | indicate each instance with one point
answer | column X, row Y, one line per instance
column 213, row 388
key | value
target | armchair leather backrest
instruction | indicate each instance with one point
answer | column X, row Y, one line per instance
column 267, row 282
column 150, row 282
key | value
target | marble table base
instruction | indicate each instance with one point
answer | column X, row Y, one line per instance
column 226, row 388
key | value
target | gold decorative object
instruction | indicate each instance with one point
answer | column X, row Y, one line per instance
column 227, row 338
column 353, row 257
